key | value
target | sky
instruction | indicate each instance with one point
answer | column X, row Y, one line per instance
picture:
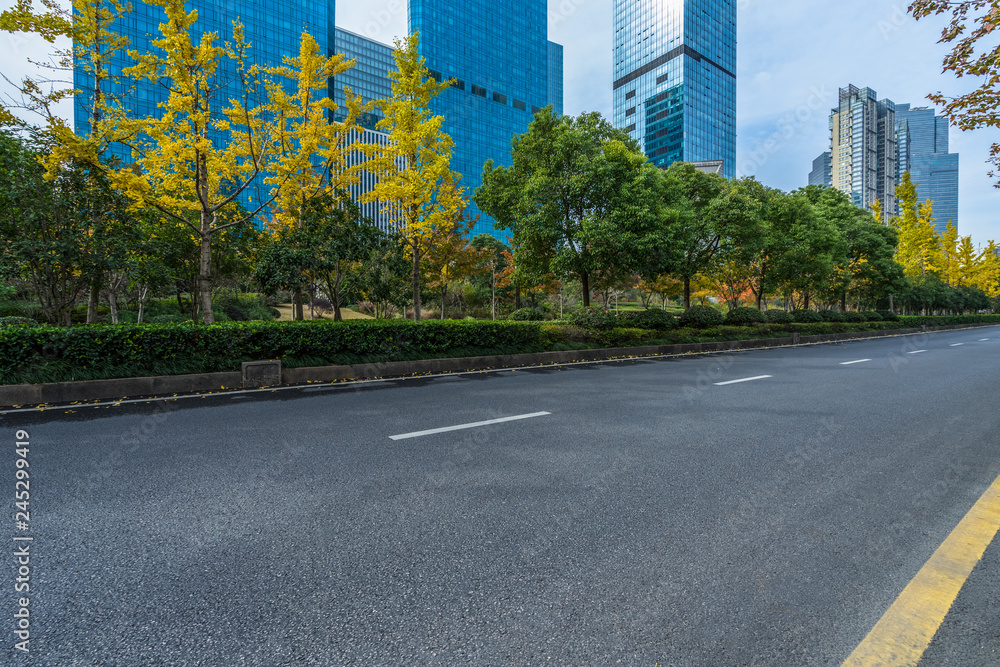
column 793, row 55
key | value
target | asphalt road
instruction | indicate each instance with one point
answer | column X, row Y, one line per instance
column 652, row 518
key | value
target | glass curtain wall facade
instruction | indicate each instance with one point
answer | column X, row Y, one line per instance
column 863, row 147
column 369, row 78
column 272, row 27
column 922, row 145
column 821, row 171
column 500, row 59
column 674, row 79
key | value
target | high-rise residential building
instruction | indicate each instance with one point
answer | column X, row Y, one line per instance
column 863, row 149
column 821, row 171
column 674, row 79
column 922, row 139
column 505, row 70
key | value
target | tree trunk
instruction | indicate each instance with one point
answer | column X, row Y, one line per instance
column 113, row 301
column 205, row 272
column 94, row 301
column 143, row 291
column 517, row 298
column 687, row 292
column 585, row 285
column 805, row 301
column 180, row 301
column 297, row 313
column 843, row 302
column 416, row 286
column 891, row 309
column 444, row 294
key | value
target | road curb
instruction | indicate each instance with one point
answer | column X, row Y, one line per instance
column 90, row 390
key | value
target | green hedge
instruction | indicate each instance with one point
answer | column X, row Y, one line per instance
column 51, row 354
column 909, row 321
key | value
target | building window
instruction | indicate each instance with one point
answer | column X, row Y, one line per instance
column 630, row 128
column 478, row 90
column 497, row 97
column 458, row 83
column 435, row 75
column 518, row 104
column 535, row 109
column 630, row 112
column 630, row 94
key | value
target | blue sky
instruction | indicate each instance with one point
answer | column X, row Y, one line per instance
column 793, row 56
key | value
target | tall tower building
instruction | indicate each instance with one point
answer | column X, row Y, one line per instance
column 505, row 69
column 863, row 149
column 821, row 173
column 674, row 79
column 922, row 138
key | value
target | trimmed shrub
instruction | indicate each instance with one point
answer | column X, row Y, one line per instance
column 51, row 354
column 831, row 315
column 595, row 317
column 17, row 322
column 564, row 333
column 854, row 316
column 943, row 320
column 650, row 318
column 744, row 317
column 623, row 336
column 888, row 316
column 872, row 316
column 778, row 316
column 170, row 319
column 806, row 316
column 701, row 317
column 527, row 315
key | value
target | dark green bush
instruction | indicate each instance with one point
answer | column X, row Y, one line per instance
column 169, row 319
column 944, row 320
column 564, row 333
column 888, row 316
column 872, row 316
column 17, row 322
column 701, row 317
column 831, row 316
column 778, row 316
column 650, row 318
column 742, row 317
column 622, row 336
column 854, row 316
column 50, row 354
column 594, row 317
column 527, row 315
column 806, row 316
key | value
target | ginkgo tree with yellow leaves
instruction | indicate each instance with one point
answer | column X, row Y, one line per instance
column 180, row 169
column 919, row 249
column 416, row 187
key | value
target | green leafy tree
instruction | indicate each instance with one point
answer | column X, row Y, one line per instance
column 708, row 214
column 46, row 233
column 578, row 199
column 325, row 249
column 975, row 54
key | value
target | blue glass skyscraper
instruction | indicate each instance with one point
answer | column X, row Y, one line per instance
column 922, row 145
column 272, row 27
column 505, row 70
column 674, row 79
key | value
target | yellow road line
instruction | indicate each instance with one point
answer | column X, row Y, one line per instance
column 906, row 630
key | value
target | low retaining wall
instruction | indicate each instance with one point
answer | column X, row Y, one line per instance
column 69, row 392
